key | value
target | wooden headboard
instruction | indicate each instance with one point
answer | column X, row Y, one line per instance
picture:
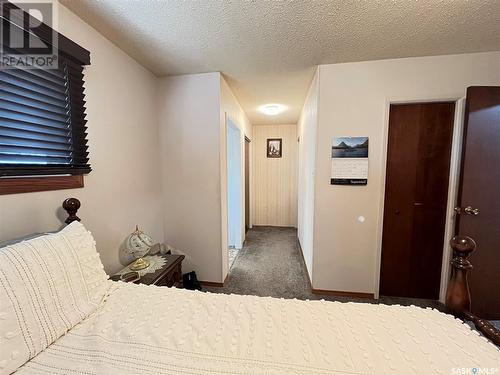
column 458, row 299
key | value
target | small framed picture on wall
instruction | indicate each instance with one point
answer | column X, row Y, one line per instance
column 274, row 147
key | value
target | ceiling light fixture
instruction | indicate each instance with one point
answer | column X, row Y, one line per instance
column 272, row 109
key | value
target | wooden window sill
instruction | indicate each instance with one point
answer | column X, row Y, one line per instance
column 19, row 185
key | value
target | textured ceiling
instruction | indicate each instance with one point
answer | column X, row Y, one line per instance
column 267, row 50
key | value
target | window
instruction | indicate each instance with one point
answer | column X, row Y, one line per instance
column 42, row 116
column 42, row 121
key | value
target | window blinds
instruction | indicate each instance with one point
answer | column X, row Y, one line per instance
column 42, row 118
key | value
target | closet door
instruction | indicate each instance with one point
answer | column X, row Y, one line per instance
column 417, row 174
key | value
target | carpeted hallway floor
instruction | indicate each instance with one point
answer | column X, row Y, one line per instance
column 270, row 264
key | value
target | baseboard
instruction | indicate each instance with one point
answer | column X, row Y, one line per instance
column 273, row 226
column 339, row 293
column 211, row 283
column 216, row 284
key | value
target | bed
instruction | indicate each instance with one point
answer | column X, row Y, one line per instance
column 60, row 314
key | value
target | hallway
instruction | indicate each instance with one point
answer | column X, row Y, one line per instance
column 270, row 264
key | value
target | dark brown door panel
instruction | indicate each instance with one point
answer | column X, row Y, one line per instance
column 480, row 190
column 417, row 174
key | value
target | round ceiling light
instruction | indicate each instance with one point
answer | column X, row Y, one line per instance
column 272, row 109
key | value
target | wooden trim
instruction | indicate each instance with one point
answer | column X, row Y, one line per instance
column 211, row 283
column 33, row 184
column 339, row 293
column 216, row 284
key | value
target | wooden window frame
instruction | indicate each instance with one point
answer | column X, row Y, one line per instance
column 18, row 185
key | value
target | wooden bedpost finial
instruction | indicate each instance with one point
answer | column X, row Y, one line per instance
column 457, row 294
column 71, row 205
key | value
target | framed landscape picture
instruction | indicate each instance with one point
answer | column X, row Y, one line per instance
column 274, row 147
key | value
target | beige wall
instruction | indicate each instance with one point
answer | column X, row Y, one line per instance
column 275, row 179
column 123, row 188
column 192, row 110
column 189, row 114
column 353, row 101
column 307, row 132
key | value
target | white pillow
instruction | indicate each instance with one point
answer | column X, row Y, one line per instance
column 47, row 285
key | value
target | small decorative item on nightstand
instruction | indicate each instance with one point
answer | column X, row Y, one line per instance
column 164, row 270
column 138, row 244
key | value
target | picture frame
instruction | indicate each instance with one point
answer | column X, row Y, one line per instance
column 274, row 147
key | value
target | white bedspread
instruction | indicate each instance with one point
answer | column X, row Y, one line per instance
column 48, row 285
column 156, row 330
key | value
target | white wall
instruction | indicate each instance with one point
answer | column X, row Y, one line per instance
column 123, row 188
column 229, row 104
column 275, row 179
column 307, row 133
column 353, row 101
column 189, row 115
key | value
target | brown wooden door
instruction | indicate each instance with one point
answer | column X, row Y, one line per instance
column 480, row 189
column 247, row 184
column 417, row 174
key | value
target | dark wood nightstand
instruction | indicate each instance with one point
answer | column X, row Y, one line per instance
column 170, row 274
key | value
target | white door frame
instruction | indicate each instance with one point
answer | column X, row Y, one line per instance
column 453, row 182
column 250, row 169
column 225, row 119
column 238, row 232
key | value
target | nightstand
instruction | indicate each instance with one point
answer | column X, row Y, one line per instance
column 165, row 270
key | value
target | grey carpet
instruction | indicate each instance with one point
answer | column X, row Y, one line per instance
column 270, row 264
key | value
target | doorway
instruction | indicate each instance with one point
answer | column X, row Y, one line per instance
column 247, row 184
column 416, row 196
column 234, row 190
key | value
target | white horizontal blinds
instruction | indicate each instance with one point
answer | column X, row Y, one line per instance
column 42, row 121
